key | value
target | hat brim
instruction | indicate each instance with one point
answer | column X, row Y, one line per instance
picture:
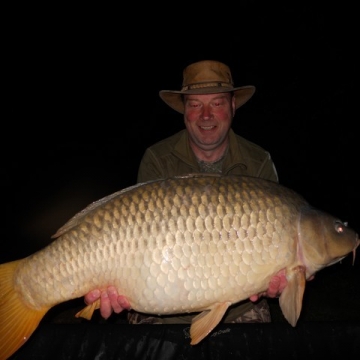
column 175, row 101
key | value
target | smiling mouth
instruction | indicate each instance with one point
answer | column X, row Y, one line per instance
column 207, row 127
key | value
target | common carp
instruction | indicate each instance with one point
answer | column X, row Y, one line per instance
column 189, row 244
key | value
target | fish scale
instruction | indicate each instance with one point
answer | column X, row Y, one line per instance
column 180, row 245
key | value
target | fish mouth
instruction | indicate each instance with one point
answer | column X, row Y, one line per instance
column 353, row 252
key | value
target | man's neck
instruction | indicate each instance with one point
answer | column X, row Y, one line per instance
column 210, row 155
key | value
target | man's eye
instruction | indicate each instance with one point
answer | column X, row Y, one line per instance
column 217, row 104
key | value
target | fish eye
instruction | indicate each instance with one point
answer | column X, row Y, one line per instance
column 340, row 226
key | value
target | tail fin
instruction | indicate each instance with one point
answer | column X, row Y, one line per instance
column 17, row 320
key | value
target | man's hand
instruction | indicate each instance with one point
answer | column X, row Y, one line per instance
column 277, row 284
column 110, row 301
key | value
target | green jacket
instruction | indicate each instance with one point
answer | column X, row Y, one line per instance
column 173, row 156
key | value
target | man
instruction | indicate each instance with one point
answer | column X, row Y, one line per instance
column 208, row 100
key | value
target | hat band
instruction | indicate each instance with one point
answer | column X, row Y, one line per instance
column 205, row 85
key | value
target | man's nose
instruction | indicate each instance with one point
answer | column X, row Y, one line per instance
column 206, row 113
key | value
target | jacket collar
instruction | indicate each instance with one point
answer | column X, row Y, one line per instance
column 184, row 152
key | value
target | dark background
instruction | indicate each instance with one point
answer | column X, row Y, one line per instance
column 81, row 106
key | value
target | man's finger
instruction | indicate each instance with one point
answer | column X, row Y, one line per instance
column 113, row 296
column 274, row 285
column 105, row 305
column 92, row 296
column 124, row 303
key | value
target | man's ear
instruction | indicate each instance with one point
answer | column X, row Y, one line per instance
column 233, row 104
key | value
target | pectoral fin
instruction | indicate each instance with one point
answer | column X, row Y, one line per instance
column 87, row 312
column 206, row 321
column 292, row 296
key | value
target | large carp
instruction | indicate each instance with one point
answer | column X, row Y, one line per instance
column 197, row 243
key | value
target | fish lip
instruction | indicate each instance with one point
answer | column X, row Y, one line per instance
column 357, row 243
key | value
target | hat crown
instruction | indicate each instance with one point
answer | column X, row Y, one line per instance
column 206, row 73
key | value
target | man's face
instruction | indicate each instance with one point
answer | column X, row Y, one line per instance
column 208, row 118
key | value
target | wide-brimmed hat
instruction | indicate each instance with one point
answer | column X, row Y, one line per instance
column 206, row 77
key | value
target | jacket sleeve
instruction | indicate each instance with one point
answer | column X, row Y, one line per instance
column 267, row 170
column 149, row 168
